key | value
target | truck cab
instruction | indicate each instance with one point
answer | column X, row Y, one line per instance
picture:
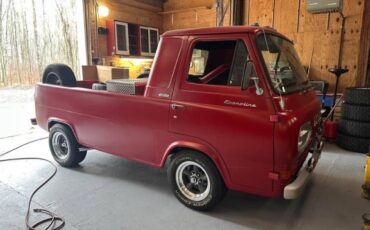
column 229, row 108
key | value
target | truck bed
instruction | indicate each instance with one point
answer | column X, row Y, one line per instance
column 111, row 122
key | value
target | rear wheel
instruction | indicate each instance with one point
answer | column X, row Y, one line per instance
column 64, row 147
column 195, row 180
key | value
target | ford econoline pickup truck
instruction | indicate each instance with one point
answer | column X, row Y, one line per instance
column 226, row 108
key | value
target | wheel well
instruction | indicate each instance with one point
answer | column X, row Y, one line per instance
column 176, row 150
column 52, row 123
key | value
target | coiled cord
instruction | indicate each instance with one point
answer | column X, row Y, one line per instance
column 53, row 218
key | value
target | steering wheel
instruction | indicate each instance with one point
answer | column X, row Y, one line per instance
column 284, row 68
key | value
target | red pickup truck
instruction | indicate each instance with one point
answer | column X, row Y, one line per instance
column 227, row 108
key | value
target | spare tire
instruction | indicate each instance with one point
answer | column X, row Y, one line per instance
column 355, row 144
column 356, row 112
column 59, row 74
column 354, row 128
column 358, row 96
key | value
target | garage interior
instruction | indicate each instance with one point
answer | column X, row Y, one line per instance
column 109, row 192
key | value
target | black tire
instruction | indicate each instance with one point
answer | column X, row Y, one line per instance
column 356, row 112
column 99, row 86
column 354, row 128
column 143, row 75
column 358, row 96
column 208, row 185
column 59, row 74
column 355, row 144
column 64, row 147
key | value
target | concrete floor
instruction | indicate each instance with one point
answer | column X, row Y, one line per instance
column 107, row 192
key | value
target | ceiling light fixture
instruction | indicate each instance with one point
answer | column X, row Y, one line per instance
column 103, row 11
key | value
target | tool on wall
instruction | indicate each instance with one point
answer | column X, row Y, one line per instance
column 221, row 11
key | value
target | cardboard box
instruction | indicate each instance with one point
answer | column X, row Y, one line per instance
column 104, row 73
column 89, row 72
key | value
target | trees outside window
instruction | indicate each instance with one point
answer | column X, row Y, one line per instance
column 33, row 34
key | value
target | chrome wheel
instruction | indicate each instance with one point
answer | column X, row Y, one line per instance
column 192, row 181
column 60, row 145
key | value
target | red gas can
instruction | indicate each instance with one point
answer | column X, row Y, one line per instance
column 330, row 129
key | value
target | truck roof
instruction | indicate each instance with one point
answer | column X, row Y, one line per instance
column 218, row 30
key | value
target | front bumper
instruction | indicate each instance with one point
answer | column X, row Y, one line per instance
column 294, row 189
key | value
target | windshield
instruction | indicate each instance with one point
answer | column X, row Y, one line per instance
column 285, row 70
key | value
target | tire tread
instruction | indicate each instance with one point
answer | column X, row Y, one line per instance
column 358, row 96
column 355, row 144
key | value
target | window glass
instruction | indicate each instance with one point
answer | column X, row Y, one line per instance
column 133, row 39
column 153, row 40
column 218, row 63
column 285, row 70
column 144, row 36
column 238, row 65
column 121, row 37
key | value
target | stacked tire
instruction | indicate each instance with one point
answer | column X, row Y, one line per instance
column 354, row 126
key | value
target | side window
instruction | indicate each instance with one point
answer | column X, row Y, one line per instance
column 238, row 65
column 218, row 63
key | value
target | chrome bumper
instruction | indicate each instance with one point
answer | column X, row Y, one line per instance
column 294, row 189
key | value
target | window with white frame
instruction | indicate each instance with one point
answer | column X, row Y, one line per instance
column 122, row 45
column 149, row 40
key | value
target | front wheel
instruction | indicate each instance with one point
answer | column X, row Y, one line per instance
column 195, row 180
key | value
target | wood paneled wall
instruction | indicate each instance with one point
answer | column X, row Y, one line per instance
column 126, row 11
column 311, row 33
column 192, row 13
column 317, row 35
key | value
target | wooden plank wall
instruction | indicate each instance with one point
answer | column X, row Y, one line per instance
column 312, row 31
column 131, row 13
column 191, row 18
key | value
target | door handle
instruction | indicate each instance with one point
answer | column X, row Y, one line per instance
column 175, row 106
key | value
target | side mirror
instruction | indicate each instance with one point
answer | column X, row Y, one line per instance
column 259, row 90
column 248, row 75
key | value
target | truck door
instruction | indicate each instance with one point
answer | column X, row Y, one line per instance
column 208, row 104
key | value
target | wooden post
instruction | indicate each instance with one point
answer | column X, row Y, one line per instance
column 363, row 72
